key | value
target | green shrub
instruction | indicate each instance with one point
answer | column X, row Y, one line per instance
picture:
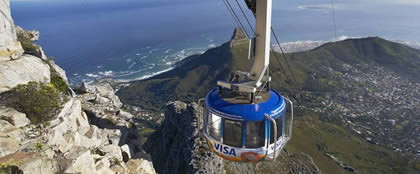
column 27, row 44
column 38, row 101
column 58, row 82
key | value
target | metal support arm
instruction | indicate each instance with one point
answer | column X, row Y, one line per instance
column 275, row 135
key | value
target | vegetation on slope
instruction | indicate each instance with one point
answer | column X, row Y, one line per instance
column 317, row 138
column 198, row 74
column 38, row 101
column 28, row 46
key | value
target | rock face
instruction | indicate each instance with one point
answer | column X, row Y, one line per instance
column 10, row 48
column 33, row 35
column 238, row 37
column 70, row 143
column 23, row 70
column 177, row 148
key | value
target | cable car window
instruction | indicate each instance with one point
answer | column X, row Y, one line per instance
column 279, row 123
column 232, row 133
column 255, row 134
column 214, row 126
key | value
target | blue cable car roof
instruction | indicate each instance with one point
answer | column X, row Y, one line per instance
column 274, row 106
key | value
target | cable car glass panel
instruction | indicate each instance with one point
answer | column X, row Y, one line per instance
column 232, row 133
column 255, row 134
column 279, row 124
column 214, row 123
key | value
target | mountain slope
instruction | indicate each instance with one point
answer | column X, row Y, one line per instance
column 197, row 74
column 347, row 87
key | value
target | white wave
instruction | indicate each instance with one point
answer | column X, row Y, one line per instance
column 92, row 75
column 145, row 76
column 138, row 54
column 143, row 57
column 99, row 66
column 128, row 60
column 167, row 51
column 107, row 73
column 212, row 45
column 134, row 63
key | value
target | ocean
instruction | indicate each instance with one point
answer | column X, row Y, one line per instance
column 130, row 40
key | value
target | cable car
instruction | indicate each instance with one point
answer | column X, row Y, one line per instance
column 244, row 120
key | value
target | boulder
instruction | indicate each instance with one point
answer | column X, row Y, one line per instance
column 140, row 166
column 112, row 152
column 21, row 71
column 10, row 131
column 38, row 52
column 16, row 118
column 104, row 170
column 32, row 35
column 87, row 88
column 101, row 100
column 69, row 127
column 102, row 167
column 118, row 169
column 126, row 152
column 8, row 146
column 105, row 90
column 39, row 164
column 80, row 160
column 113, row 135
column 30, row 163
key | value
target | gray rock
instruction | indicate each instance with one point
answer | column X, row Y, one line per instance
column 10, row 48
column 174, row 147
column 33, row 35
column 27, row 68
column 87, row 88
column 69, row 127
column 30, row 163
column 118, row 169
column 38, row 52
column 10, row 131
column 101, row 100
column 113, row 152
column 126, row 152
column 80, row 161
column 105, row 90
column 16, row 118
column 140, row 166
column 238, row 37
column 8, row 146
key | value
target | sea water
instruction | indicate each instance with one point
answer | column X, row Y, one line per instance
column 135, row 39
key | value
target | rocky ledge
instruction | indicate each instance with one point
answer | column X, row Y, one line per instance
column 74, row 141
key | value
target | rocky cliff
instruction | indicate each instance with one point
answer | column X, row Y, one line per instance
column 9, row 46
column 84, row 132
column 176, row 147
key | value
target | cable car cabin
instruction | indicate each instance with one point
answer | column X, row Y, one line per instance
column 244, row 120
column 239, row 131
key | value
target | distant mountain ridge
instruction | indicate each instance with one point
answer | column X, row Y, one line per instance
column 197, row 74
